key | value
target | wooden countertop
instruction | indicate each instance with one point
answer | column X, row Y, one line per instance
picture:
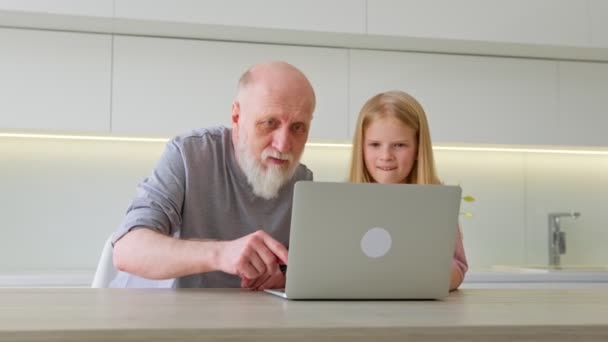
column 233, row 315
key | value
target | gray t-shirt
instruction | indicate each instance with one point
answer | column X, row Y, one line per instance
column 198, row 191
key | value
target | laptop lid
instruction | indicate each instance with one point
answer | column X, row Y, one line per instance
column 371, row 241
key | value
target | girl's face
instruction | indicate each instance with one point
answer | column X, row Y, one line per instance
column 390, row 149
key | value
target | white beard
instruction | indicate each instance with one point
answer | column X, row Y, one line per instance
column 266, row 183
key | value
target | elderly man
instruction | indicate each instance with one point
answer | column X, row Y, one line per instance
column 216, row 210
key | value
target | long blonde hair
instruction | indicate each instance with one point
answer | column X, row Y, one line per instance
column 406, row 109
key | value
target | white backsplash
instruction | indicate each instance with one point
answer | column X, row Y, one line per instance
column 62, row 198
column 495, row 233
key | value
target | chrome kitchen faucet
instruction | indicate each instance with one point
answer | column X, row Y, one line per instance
column 557, row 238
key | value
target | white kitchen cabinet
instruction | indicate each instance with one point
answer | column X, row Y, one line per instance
column 164, row 87
column 467, row 99
column 548, row 22
column 54, row 81
column 96, row 8
column 312, row 15
column 599, row 22
column 583, row 103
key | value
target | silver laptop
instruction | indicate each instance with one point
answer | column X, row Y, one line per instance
column 371, row 241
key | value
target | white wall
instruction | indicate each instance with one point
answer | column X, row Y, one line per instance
column 61, row 199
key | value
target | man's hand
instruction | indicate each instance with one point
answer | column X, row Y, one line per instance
column 266, row 281
column 255, row 257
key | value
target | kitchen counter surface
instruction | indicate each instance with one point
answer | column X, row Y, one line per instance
column 538, row 274
column 234, row 315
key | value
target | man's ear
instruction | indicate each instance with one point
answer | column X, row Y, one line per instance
column 236, row 113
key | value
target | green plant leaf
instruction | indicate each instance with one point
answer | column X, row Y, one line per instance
column 469, row 198
column 467, row 214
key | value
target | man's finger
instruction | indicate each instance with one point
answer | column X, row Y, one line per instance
column 267, row 256
column 276, row 281
column 258, row 263
column 260, row 281
column 246, row 283
column 247, row 270
column 276, row 248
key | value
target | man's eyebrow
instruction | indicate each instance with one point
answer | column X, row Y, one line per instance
column 265, row 117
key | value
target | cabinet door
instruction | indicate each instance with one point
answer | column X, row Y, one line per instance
column 467, row 99
column 168, row 86
column 583, row 103
column 552, row 22
column 311, row 15
column 98, row 8
column 55, row 81
column 599, row 22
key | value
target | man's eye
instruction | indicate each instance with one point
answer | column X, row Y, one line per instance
column 299, row 128
column 268, row 124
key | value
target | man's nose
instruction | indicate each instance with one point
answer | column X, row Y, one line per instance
column 282, row 140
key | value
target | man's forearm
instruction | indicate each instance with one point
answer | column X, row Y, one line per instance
column 151, row 255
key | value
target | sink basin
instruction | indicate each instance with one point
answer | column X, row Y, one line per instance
column 547, row 269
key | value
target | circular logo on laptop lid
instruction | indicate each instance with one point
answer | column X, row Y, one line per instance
column 376, row 242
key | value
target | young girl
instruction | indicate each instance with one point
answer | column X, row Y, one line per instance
column 392, row 144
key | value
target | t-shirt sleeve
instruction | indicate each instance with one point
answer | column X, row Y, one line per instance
column 159, row 198
column 460, row 259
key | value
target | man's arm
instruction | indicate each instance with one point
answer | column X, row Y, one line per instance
column 152, row 255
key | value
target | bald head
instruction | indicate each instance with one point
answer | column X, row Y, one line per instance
column 271, row 118
column 278, row 79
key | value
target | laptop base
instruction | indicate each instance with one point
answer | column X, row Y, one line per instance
column 277, row 292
